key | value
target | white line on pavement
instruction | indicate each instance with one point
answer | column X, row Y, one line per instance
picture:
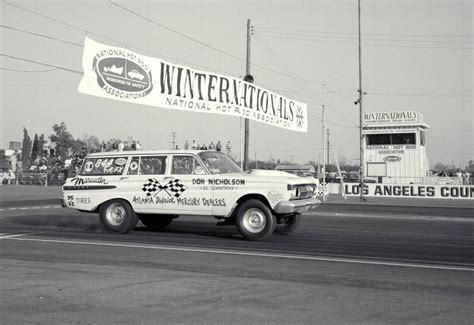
column 31, row 208
column 15, row 235
column 258, row 254
column 388, row 215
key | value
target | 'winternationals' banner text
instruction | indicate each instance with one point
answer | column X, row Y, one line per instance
column 118, row 73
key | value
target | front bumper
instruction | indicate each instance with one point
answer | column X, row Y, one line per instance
column 296, row 206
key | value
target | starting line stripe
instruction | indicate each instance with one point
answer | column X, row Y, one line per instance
column 14, row 236
column 239, row 253
column 31, row 208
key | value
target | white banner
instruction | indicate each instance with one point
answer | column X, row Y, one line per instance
column 118, row 73
column 412, row 191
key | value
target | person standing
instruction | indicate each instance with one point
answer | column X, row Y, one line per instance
column 103, row 146
column 219, row 145
column 121, row 146
column 186, row 145
column 52, row 149
column 194, row 146
column 212, row 146
column 228, row 148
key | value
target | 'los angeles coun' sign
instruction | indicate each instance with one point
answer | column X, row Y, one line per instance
column 121, row 74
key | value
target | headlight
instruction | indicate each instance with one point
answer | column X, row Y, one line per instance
column 301, row 191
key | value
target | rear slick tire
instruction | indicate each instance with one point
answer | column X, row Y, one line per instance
column 155, row 221
column 118, row 216
column 254, row 220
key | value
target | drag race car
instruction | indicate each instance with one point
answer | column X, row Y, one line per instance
column 156, row 187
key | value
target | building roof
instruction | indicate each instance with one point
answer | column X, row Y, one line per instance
column 147, row 152
column 294, row 167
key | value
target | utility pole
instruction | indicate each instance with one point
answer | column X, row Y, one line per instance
column 247, row 78
column 361, row 115
column 327, row 149
column 173, row 134
column 323, row 120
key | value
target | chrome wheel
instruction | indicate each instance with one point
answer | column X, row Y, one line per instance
column 254, row 220
column 115, row 214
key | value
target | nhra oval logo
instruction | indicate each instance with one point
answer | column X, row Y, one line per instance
column 392, row 158
column 118, row 75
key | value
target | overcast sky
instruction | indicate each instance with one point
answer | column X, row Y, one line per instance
column 417, row 55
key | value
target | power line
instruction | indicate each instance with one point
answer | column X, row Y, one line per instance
column 85, row 31
column 174, row 31
column 40, row 63
column 366, row 34
column 368, row 44
column 28, row 71
column 314, row 92
column 147, row 51
column 41, row 35
column 205, row 44
column 418, row 95
column 263, row 32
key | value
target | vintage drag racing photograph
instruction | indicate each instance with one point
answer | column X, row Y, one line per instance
column 236, row 162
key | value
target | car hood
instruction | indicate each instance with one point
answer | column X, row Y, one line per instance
column 272, row 176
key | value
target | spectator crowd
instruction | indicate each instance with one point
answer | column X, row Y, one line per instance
column 50, row 167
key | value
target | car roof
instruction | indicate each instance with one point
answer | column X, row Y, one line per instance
column 146, row 152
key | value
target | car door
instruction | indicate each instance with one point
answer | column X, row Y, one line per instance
column 144, row 181
column 185, row 186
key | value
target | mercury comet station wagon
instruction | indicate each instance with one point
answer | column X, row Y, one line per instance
column 156, row 187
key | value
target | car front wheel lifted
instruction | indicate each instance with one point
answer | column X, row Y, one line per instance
column 254, row 220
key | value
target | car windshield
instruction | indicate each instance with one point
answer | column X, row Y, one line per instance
column 219, row 163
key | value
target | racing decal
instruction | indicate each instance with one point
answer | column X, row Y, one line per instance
column 218, row 183
column 89, row 166
column 88, row 187
column 83, row 200
column 87, row 180
column 70, row 200
column 274, row 196
column 187, row 201
column 103, row 166
column 133, row 165
column 174, row 188
column 120, row 161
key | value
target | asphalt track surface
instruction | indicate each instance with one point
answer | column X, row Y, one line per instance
column 346, row 263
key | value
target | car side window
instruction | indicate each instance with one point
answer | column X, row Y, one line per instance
column 186, row 165
column 152, row 165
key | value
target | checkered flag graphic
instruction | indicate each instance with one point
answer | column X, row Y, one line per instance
column 176, row 187
column 173, row 188
column 152, row 187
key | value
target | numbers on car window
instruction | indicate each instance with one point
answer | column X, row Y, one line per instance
column 103, row 166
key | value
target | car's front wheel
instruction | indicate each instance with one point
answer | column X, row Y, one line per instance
column 254, row 220
column 118, row 216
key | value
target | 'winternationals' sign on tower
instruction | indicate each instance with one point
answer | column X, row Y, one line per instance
column 118, row 73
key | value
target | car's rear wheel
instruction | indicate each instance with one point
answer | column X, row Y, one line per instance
column 287, row 224
column 156, row 221
column 254, row 220
column 118, row 216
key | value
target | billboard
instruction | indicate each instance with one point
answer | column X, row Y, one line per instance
column 120, row 74
column 412, row 191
